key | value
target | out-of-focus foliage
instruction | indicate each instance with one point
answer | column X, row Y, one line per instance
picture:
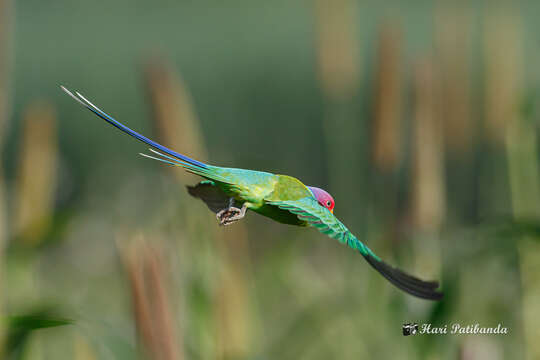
column 19, row 328
column 421, row 118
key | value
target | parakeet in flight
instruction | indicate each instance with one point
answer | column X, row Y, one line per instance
column 230, row 193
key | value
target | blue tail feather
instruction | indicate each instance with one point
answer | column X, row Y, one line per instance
column 82, row 100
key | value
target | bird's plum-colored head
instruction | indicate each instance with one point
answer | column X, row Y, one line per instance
column 325, row 199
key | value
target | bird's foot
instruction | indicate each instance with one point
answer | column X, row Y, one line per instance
column 231, row 214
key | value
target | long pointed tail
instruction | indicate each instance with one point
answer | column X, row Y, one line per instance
column 179, row 159
column 408, row 283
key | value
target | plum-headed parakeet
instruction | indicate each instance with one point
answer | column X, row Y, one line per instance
column 231, row 192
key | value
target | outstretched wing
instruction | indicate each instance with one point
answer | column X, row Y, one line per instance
column 213, row 197
column 309, row 210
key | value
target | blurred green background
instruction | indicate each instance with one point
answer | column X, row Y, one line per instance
column 420, row 118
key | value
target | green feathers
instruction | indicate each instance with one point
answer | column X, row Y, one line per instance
column 279, row 197
column 309, row 210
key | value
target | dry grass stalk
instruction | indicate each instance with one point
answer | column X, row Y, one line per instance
column 173, row 113
column 233, row 307
column 6, row 19
column 428, row 182
column 453, row 45
column 154, row 318
column 178, row 126
column 83, row 350
column 429, row 201
column 503, row 78
column 505, row 65
column 388, row 99
column 337, row 48
column 36, row 175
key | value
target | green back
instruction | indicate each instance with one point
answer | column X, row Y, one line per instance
column 288, row 188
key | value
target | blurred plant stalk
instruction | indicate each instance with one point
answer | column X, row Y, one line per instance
column 337, row 52
column 387, row 103
column 178, row 127
column 232, row 302
column 505, row 93
column 337, row 49
column 453, row 56
column 6, row 53
column 157, row 333
column 386, row 129
column 83, row 350
column 428, row 181
column 503, row 80
column 173, row 114
column 36, row 174
column 35, row 190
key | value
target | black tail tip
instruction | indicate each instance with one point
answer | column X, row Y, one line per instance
column 410, row 284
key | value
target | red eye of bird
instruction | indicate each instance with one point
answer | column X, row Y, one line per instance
column 328, row 203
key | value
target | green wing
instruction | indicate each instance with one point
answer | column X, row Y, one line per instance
column 309, row 210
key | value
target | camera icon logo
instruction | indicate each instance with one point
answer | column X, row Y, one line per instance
column 410, row 329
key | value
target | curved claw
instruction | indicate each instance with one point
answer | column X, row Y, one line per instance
column 231, row 214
